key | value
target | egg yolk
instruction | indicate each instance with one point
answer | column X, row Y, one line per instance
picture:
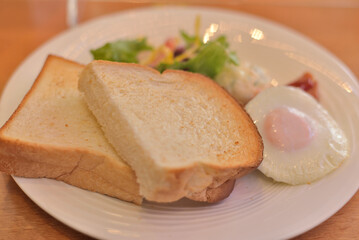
column 287, row 130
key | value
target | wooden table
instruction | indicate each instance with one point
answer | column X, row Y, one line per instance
column 25, row 25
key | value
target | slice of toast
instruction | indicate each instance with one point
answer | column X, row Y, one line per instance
column 179, row 131
column 52, row 134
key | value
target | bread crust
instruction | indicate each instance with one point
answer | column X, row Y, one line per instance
column 81, row 168
column 214, row 195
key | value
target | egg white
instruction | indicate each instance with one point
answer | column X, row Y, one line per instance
column 327, row 149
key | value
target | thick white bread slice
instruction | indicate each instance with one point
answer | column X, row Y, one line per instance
column 52, row 134
column 179, row 131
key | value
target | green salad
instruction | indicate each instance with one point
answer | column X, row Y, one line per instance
column 186, row 52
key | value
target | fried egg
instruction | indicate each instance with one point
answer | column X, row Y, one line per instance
column 302, row 142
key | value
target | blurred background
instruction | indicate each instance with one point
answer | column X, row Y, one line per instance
column 26, row 24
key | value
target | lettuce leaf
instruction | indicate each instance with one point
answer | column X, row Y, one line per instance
column 121, row 50
column 189, row 40
column 209, row 60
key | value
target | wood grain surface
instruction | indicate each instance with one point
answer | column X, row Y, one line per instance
column 25, row 25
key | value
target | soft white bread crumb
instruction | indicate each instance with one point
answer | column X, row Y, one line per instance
column 179, row 131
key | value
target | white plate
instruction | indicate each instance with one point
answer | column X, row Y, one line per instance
column 257, row 208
